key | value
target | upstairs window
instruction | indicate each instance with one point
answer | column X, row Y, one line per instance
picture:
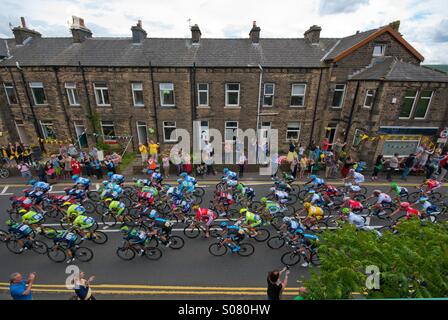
column 101, row 94
column 137, row 94
column 422, row 105
column 408, row 104
column 338, row 96
column 379, row 50
column 368, row 101
column 10, row 93
column 298, row 95
column 47, row 129
column 108, row 129
column 268, row 96
column 166, row 94
column 72, row 93
column 38, row 92
column 203, row 94
column 293, row 131
column 232, row 94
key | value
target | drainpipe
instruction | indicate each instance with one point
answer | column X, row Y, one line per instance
column 193, row 94
column 313, row 124
column 154, row 100
column 350, row 118
column 61, row 98
column 84, row 81
column 259, row 105
column 36, row 123
column 17, row 94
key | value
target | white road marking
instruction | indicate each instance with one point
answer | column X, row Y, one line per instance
column 4, row 189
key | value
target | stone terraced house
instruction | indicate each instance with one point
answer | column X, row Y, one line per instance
column 369, row 83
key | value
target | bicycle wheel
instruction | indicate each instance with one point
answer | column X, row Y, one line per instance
column 277, row 222
column 93, row 195
column 363, row 190
column 262, row 235
column 196, row 200
column 4, row 173
column 192, row 232
column 359, row 197
column 99, row 237
column 232, row 214
column 255, row 205
column 101, row 208
column 89, row 206
column 319, row 227
column 291, row 258
column 83, row 254
column 384, row 213
column 176, row 242
column 246, row 249
column 302, row 194
column 220, row 186
column 292, row 199
column 435, row 196
column 3, row 236
column 199, row 191
column 276, row 242
column 128, row 221
column 57, row 255
column 50, row 211
column 163, row 208
column 315, row 259
column 109, row 220
column 217, row 249
column 152, row 253
column 39, row 247
column 414, row 196
column 14, row 246
column 127, row 202
column 215, row 230
column 125, row 253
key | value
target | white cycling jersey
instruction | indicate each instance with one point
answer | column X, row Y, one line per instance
column 384, row 197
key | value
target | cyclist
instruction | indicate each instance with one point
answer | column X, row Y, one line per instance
column 111, row 190
column 84, row 224
column 233, row 235
column 314, row 198
column 156, row 177
column 140, row 183
column 270, row 207
column 308, row 244
column 290, row 225
column 357, row 221
column 230, row 175
column 354, row 205
column 136, row 238
column 68, row 239
column 74, row 210
column 250, row 221
column 329, row 192
column 247, row 192
column 280, row 196
column 410, row 212
column 431, row 185
column 222, row 201
column 39, row 185
column 116, row 178
column 357, row 178
column 117, row 208
column 314, row 213
column 428, row 207
column 32, row 218
column 81, row 181
column 162, row 227
column 399, row 191
column 184, row 176
column 185, row 186
column 382, row 199
column 315, row 181
column 21, row 230
column 78, row 192
column 205, row 215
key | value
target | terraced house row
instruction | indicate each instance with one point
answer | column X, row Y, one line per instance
column 371, row 82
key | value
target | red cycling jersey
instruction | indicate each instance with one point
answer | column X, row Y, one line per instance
column 331, row 190
column 411, row 212
column 354, row 204
column 432, row 184
column 204, row 214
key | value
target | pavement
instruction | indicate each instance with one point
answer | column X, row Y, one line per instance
column 189, row 273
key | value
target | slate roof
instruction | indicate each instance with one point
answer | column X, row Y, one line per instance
column 348, row 42
column 175, row 52
column 390, row 69
column 3, row 49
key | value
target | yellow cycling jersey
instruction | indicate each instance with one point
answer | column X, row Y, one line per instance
column 314, row 211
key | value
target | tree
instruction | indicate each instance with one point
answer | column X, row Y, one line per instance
column 412, row 263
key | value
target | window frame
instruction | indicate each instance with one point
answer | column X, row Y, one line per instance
column 293, row 130
column 199, row 91
column 72, row 91
column 269, row 95
column 427, row 108
column 343, row 95
column 354, row 137
column 43, row 124
column 412, row 107
column 102, row 131
column 34, row 86
column 162, row 100
column 383, row 50
column 11, row 86
column 137, row 125
column 138, row 105
column 297, row 95
column 165, row 126
column 366, row 96
column 96, row 88
column 225, row 130
column 227, row 91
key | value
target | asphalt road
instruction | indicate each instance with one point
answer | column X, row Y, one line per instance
column 189, row 273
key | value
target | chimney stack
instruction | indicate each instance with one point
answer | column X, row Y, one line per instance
column 313, row 34
column 79, row 31
column 138, row 33
column 21, row 33
column 254, row 33
column 195, row 34
column 395, row 25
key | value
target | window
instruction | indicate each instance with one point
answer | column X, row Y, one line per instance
column 408, row 104
column 298, row 95
column 232, row 94
column 231, row 133
column 72, row 93
column 37, row 89
column 203, row 94
column 142, row 132
column 423, row 104
column 293, row 131
column 80, row 131
column 47, row 129
column 330, row 132
column 368, row 101
column 166, row 94
column 403, row 148
column 108, row 130
column 101, row 94
column 378, row 50
column 137, row 94
column 169, row 131
column 268, row 96
column 10, row 93
column 338, row 96
column 357, row 137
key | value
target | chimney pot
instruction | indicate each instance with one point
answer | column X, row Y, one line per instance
column 22, row 19
column 138, row 33
column 195, row 34
column 254, row 33
column 313, row 34
column 21, row 33
column 79, row 30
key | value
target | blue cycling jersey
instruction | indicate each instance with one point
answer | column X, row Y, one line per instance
column 84, row 181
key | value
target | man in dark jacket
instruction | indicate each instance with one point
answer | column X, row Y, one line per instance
column 409, row 163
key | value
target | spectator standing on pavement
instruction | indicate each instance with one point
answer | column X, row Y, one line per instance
column 432, row 165
column 98, row 169
column 19, row 288
column 72, row 152
column 153, row 150
column 67, row 167
column 241, row 163
column 143, row 152
column 41, row 172
column 443, row 167
column 166, row 164
column 303, row 166
column 347, row 165
column 25, row 171
column 76, row 167
column 110, row 165
column 275, row 284
column 294, row 166
column 82, row 287
column 408, row 163
column 330, row 165
column 377, row 167
column 392, row 167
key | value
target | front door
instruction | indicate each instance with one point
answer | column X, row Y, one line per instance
column 142, row 132
column 22, row 132
column 81, row 135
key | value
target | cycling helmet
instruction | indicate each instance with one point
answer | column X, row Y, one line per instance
column 286, row 219
column 75, row 177
column 394, row 185
column 67, row 203
column 180, row 181
column 345, row 210
column 313, row 177
column 124, row 229
column 243, row 210
column 272, row 189
column 263, row 200
column 153, row 214
column 32, row 182
column 225, row 170
column 239, row 187
column 149, row 171
column 376, row 191
column 405, row 205
column 183, row 174
column 223, row 225
column 110, row 174
column 312, row 191
column 105, row 182
column 108, row 200
column 195, row 207
column 307, row 205
column 423, row 199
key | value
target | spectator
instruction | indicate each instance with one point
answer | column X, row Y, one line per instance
column 443, row 167
column 378, row 167
column 275, row 285
column 19, row 288
column 153, row 150
column 207, row 148
column 338, row 146
column 19, row 150
column 71, row 151
column 347, row 165
column 408, row 163
column 302, row 292
column 143, row 152
column 187, row 163
column 294, row 166
column 98, row 169
column 41, row 172
column 62, row 150
column 54, row 160
column 88, row 165
column 303, row 166
column 301, row 152
column 49, row 171
column 432, row 165
column 241, row 163
column 76, row 167
column 67, row 167
column 166, row 164
column 326, row 144
column 94, row 153
column 392, row 167
column 110, row 165
column 330, row 165
column 25, row 171
column 82, row 287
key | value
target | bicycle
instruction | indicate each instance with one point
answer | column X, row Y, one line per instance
column 433, row 196
column 128, row 252
column 220, row 248
column 293, row 257
column 194, row 229
column 97, row 237
column 58, row 253
column 19, row 246
column 279, row 241
column 4, row 172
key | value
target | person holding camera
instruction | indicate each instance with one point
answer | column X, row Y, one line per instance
column 275, row 284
